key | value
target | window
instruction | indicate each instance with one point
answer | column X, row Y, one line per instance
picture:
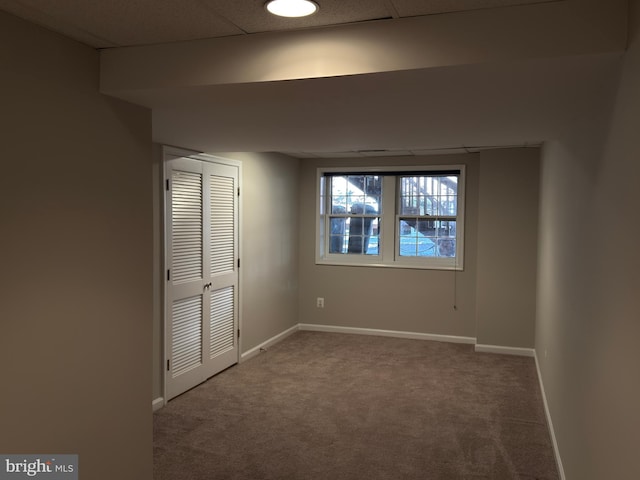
column 396, row 217
column 354, row 222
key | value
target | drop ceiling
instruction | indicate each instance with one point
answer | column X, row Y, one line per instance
column 119, row 23
column 462, row 107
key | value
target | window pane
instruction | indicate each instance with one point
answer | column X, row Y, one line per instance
column 356, row 201
column 429, row 205
column 409, row 209
column 450, row 205
column 427, row 238
column 323, row 200
column 428, row 195
column 362, row 238
column 354, row 235
column 375, row 201
column 413, row 242
column 337, row 237
column 425, row 227
column 353, row 192
column 446, row 247
column 444, row 228
column 372, row 185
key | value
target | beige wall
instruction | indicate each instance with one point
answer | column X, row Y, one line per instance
column 422, row 301
column 269, row 236
column 157, row 355
column 407, row 300
column 75, row 315
column 587, row 326
column 507, row 247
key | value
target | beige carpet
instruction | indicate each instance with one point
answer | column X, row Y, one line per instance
column 332, row 406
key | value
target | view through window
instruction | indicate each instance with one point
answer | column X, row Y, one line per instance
column 393, row 218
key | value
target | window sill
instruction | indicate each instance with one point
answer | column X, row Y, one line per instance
column 432, row 265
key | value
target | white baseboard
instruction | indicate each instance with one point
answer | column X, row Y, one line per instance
column 273, row 340
column 522, row 352
column 386, row 333
column 157, row 404
column 552, row 432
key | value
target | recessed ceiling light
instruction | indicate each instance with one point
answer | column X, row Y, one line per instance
column 292, row 8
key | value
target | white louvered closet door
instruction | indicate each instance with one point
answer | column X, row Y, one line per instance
column 202, row 272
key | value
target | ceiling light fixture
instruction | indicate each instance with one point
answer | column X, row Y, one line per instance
column 292, row 8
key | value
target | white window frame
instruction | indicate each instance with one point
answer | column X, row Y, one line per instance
column 388, row 251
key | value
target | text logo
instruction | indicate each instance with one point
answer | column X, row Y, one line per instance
column 44, row 467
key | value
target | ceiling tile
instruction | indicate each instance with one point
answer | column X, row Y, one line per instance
column 338, row 154
column 46, row 17
column 385, row 153
column 440, row 151
column 129, row 22
column 301, row 154
column 113, row 23
column 412, row 8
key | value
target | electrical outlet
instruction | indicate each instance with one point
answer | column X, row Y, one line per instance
column 320, row 302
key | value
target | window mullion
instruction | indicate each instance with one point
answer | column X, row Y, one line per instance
column 388, row 230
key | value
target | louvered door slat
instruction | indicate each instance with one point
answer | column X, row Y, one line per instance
column 186, row 208
column 222, row 321
column 222, row 224
column 187, row 334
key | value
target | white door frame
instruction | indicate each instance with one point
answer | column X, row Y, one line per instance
column 171, row 153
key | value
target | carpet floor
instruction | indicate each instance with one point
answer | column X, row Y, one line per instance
column 336, row 406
